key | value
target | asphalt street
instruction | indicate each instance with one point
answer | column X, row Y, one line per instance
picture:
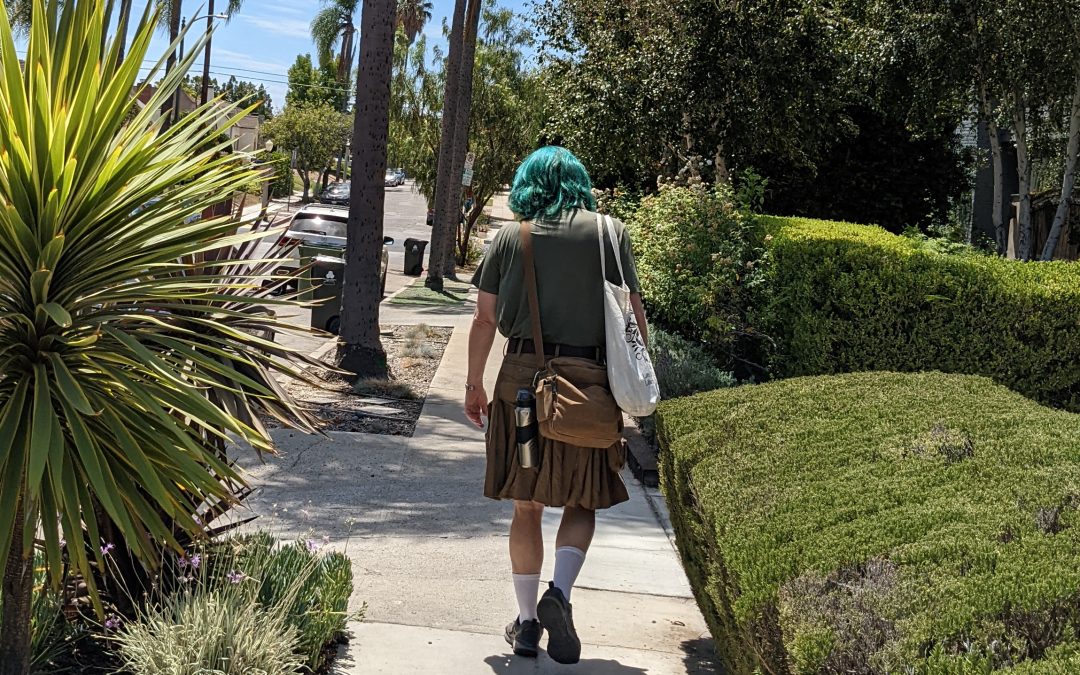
column 404, row 217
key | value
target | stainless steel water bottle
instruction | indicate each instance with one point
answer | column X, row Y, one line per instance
column 528, row 435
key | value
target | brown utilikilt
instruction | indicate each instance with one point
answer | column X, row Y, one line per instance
column 567, row 476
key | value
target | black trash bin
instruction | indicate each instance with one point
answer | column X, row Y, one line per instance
column 414, row 256
column 327, row 279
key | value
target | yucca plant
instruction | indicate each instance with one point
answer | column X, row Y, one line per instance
column 133, row 345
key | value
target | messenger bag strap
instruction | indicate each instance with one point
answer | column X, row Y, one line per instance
column 529, row 271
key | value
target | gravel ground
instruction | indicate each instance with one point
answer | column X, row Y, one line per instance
column 413, row 354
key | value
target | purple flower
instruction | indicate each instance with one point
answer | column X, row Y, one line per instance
column 196, row 560
column 235, row 577
column 107, row 549
column 112, row 623
column 182, row 562
column 313, row 545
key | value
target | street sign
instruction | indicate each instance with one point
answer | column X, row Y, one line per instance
column 470, row 159
column 466, row 178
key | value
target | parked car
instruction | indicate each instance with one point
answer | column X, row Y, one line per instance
column 401, row 175
column 336, row 193
column 324, row 225
column 393, row 178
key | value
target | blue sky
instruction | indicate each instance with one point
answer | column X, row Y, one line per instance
column 267, row 35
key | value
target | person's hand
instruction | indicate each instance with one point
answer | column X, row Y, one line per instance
column 476, row 405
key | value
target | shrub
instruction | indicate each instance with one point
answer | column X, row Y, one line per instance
column 282, row 184
column 684, row 367
column 228, row 633
column 697, row 257
column 311, row 588
column 878, row 523
column 846, row 298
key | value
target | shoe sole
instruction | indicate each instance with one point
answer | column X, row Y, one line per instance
column 521, row 651
column 563, row 645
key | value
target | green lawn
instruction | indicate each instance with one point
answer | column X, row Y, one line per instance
column 453, row 293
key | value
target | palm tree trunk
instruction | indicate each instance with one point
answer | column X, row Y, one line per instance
column 446, row 216
column 462, row 114
column 122, row 26
column 18, row 588
column 167, row 108
column 362, row 352
column 205, row 90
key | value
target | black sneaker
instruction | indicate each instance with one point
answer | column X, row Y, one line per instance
column 524, row 637
column 556, row 615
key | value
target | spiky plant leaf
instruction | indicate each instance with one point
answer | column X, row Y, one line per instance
column 133, row 344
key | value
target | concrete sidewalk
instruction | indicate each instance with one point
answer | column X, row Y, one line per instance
column 430, row 557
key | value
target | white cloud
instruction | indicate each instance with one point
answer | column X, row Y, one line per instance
column 279, row 25
column 234, row 59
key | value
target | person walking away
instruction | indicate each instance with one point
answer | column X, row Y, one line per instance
column 551, row 196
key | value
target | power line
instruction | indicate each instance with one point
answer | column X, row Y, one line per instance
column 216, row 70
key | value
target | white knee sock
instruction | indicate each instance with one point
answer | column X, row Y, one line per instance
column 568, row 562
column 526, row 587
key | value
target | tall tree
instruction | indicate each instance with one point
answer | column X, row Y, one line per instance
column 334, row 26
column 122, row 26
column 508, row 110
column 232, row 8
column 315, row 132
column 362, row 353
column 412, row 16
column 462, row 114
column 170, row 20
column 309, row 85
column 446, row 184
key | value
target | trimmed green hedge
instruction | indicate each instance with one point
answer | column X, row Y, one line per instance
column 879, row 523
column 839, row 298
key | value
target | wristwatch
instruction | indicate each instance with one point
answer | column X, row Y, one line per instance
column 470, row 387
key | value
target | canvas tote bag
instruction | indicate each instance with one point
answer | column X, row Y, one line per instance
column 573, row 402
column 630, row 370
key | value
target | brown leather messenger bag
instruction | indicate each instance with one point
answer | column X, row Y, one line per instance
column 573, row 402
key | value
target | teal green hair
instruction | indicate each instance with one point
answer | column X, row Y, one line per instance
column 550, row 181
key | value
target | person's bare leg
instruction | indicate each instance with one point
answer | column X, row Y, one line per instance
column 526, row 538
column 527, row 556
column 571, row 544
column 554, row 610
column 576, row 528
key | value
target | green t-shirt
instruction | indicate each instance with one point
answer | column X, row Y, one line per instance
column 568, row 277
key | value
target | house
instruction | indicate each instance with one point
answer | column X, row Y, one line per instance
column 246, row 134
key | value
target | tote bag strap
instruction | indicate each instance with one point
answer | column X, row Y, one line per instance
column 601, row 222
column 530, row 291
column 614, row 247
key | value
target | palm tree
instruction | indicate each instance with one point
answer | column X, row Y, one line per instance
column 233, row 7
column 363, row 352
column 129, row 350
column 19, row 12
column 122, row 26
column 169, row 19
column 445, row 182
column 332, row 26
column 412, row 16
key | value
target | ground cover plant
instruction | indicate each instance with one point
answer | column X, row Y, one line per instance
column 135, row 341
column 879, row 523
column 837, row 297
column 244, row 604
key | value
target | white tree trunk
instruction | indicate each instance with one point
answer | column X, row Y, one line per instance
column 1069, row 182
column 1001, row 231
column 1023, row 165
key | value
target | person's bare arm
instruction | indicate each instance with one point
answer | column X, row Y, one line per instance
column 639, row 314
column 481, row 338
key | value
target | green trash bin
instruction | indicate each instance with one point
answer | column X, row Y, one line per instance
column 327, row 277
column 308, row 253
